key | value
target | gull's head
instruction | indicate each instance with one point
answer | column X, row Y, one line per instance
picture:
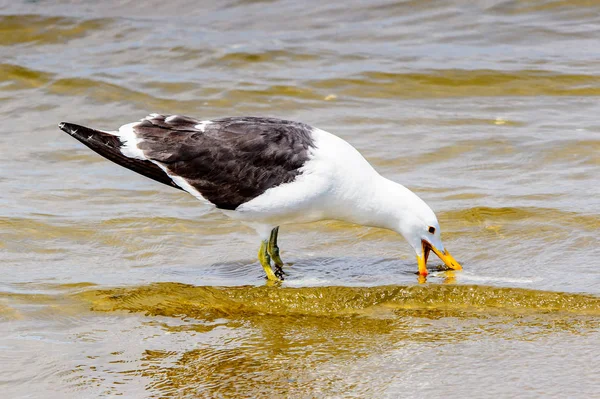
column 421, row 229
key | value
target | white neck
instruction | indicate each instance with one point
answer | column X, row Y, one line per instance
column 381, row 203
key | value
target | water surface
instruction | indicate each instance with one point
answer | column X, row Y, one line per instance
column 116, row 285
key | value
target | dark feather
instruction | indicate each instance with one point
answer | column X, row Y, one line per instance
column 109, row 146
column 233, row 160
column 230, row 162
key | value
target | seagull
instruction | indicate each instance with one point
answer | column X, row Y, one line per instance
column 268, row 172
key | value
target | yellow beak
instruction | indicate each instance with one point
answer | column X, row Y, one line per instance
column 444, row 256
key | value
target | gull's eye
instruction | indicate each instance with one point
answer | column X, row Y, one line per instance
column 431, row 229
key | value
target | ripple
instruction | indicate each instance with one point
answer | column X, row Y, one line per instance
column 38, row 29
column 105, row 92
column 585, row 152
column 16, row 77
column 171, row 299
column 242, row 59
column 477, row 215
column 463, row 83
column 533, row 7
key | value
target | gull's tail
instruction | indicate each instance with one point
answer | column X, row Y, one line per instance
column 109, row 145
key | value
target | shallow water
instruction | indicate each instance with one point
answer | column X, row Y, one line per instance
column 115, row 285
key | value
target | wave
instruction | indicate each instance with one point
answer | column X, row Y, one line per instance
column 39, row 29
column 463, row 83
column 180, row 300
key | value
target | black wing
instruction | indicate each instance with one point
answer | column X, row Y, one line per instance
column 229, row 161
column 109, row 146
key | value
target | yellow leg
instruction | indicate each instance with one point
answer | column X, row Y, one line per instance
column 265, row 261
column 274, row 249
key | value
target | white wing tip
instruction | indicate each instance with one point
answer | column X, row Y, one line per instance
column 130, row 141
column 202, row 125
column 149, row 117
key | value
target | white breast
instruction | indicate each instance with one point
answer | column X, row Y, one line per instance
column 333, row 183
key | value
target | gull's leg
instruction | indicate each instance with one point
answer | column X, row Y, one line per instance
column 274, row 252
column 265, row 261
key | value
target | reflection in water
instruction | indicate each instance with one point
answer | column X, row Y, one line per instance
column 183, row 340
column 268, row 356
column 262, row 341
